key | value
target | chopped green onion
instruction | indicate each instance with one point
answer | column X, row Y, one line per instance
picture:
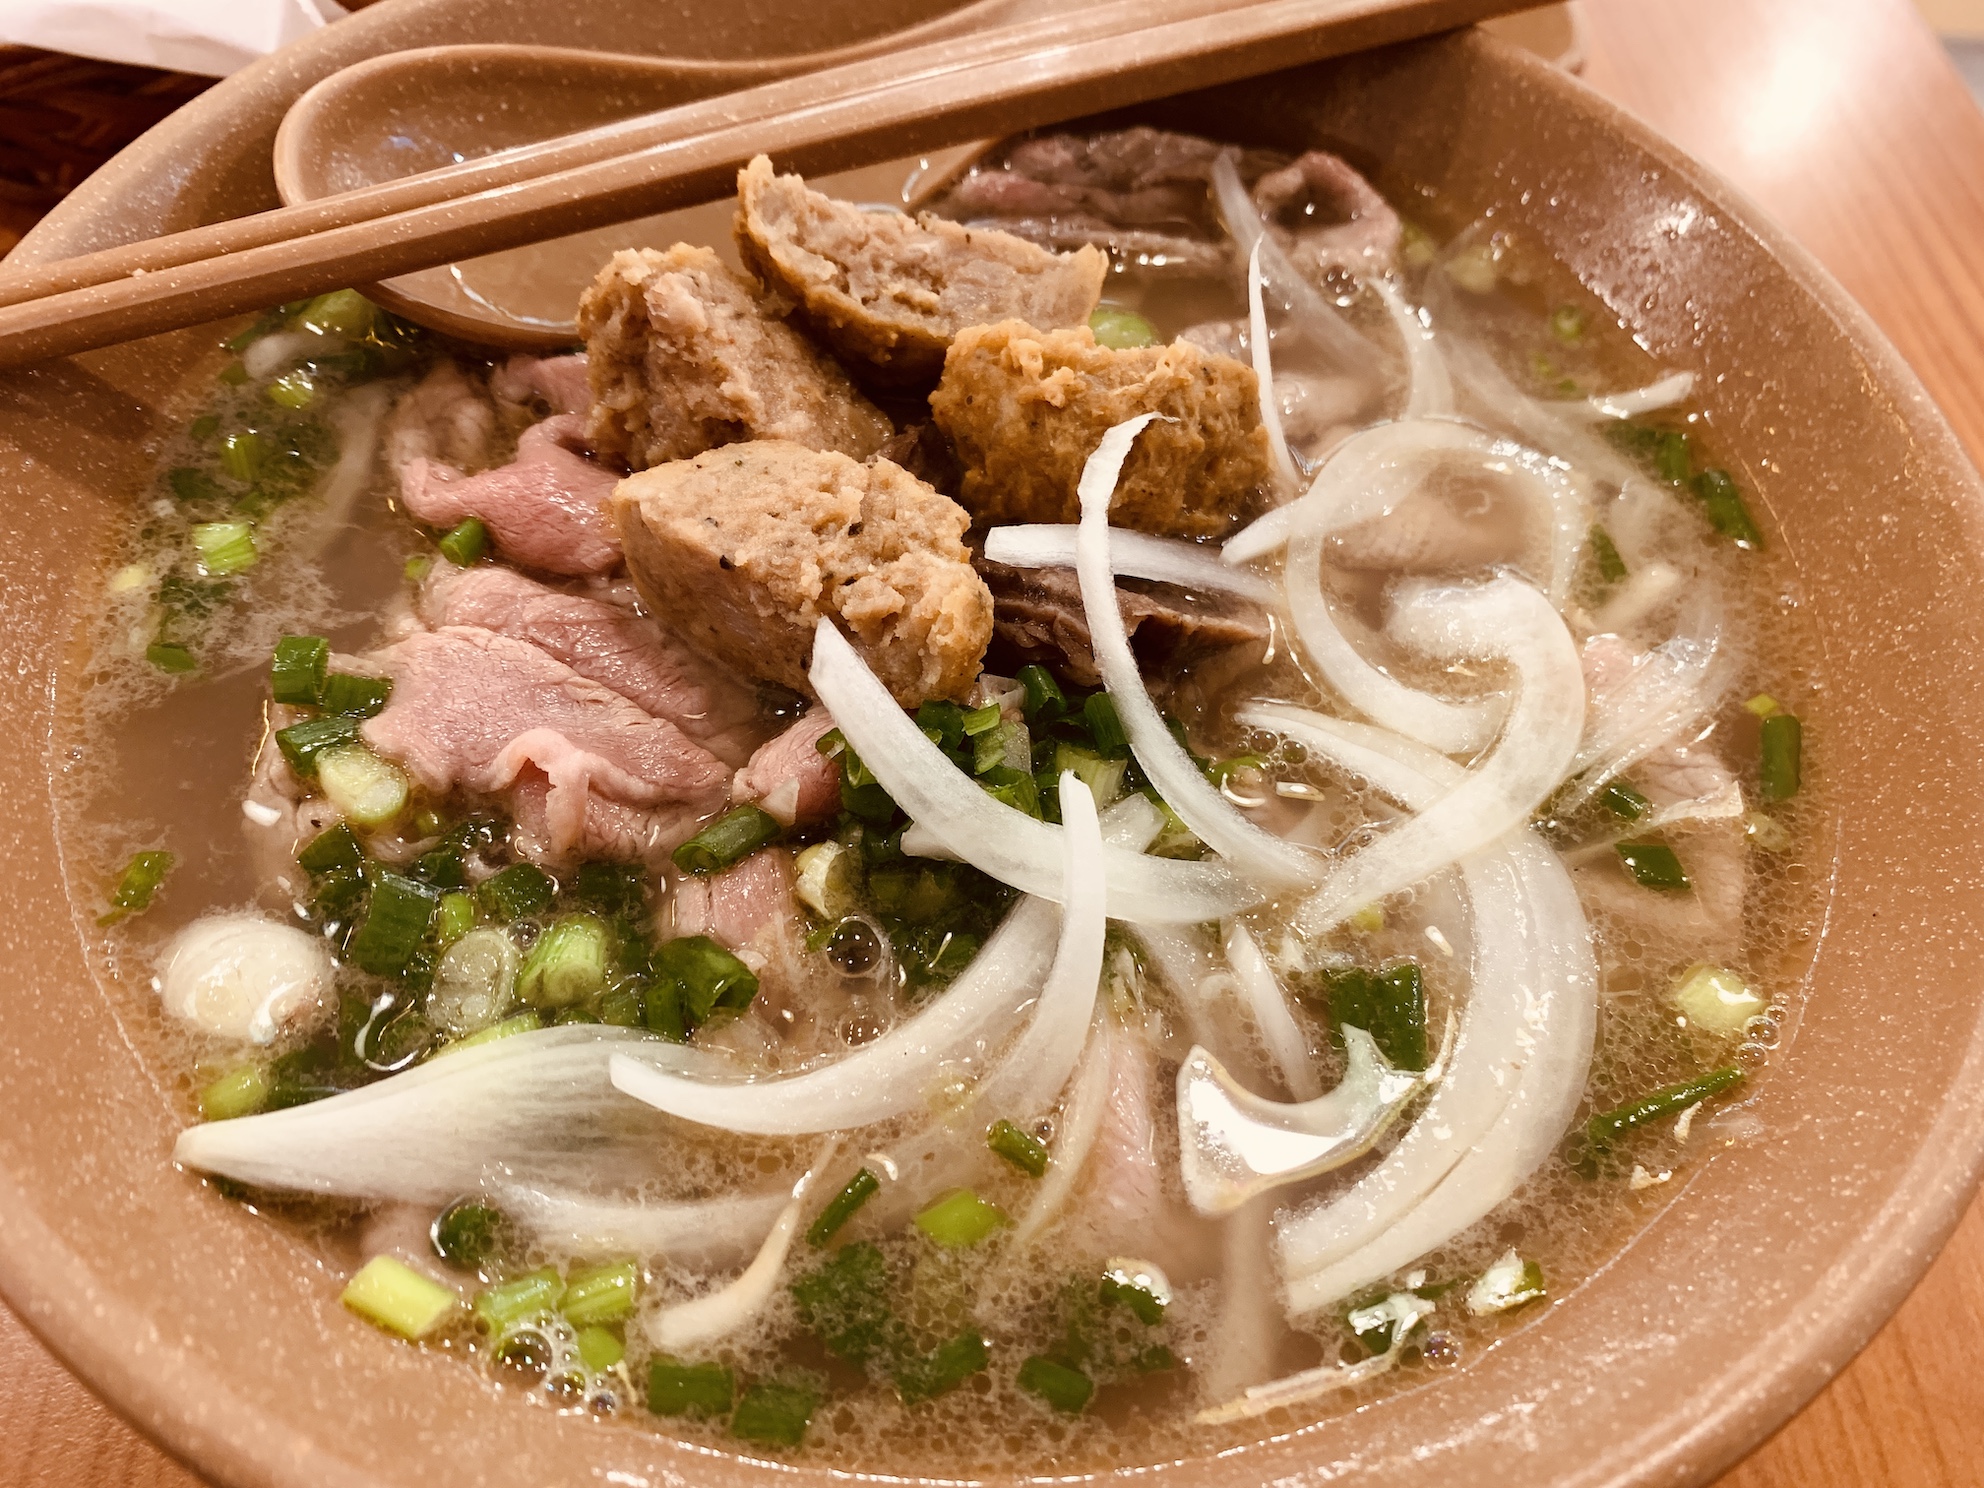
column 828, row 878
column 1002, row 744
column 367, row 789
column 398, row 1298
column 534, row 1294
column 170, row 656
column 1043, row 693
column 1623, row 801
column 203, row 428
column 1727, row 514
column 1104, row 778
column 464, row 543
column 1510, row 1283
column 842, row 1206
column 566, row 965
column 1133, row 1285
column 676, row 1388
column 468, row 1233
column 240, row 1092
column 1390, row 1005
column 943, row 723
column 599, row 1349
column 1099, row 712
column 597, row 1295
column 982, row 720
column 293, row 389
column 1220, row 771
column 342, row 312
column 1605, row 553
column 189, row 484
column 729, row 839
column 224, row 547
column 1022, row 1150
column 233, row 374
column 1654, row 866
column 296, row 671
column 1780, row 763
column 355, row 697
column 456, row 919
column 525, row 1022
column 1673, row 456
column 1174, row 838
column 960, row 1219
column 1017, row 788
column 304, row 744
column 1067, row 1390
column 241, row 455
column 136, row 885
column 924, row 1377
column 1763, row 705
column 1567, row 323
column 334, row 847
column 1716, row 999
column 1120, row 329
column 394, row 926
column 621, row 1008
column 1767, row 832
column 1670, row 1100
column 520, row 890
column 774, row 1415
column 704, row 977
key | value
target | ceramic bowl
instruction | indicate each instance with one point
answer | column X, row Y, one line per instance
column 215, row 1331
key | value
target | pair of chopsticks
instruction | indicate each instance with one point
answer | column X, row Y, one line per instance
column 1102, row 56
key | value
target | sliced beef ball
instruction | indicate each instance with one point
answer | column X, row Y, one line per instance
column 545, row 509
column 741, row 551
column 1037, row 616
column 1025, row 409
column 607, row 642
column 684, row 356
column 592, row 773
column 888, row 292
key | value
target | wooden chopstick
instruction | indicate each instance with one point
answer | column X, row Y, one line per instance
column 1105, row 56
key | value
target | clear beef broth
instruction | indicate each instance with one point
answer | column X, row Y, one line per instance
column 156, row 758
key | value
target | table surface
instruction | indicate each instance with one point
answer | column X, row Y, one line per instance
column 1846, row 121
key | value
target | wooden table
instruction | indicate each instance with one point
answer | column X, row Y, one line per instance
column 1846, row 121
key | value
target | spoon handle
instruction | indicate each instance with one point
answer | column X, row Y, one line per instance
column 1098, row 57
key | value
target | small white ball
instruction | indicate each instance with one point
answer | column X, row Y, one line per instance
column 241, row 976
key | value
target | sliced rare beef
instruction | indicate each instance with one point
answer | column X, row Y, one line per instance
column 887, row 292
column 446, row 417
column 559, row 384
column 602, row 636
column 1328, row 216
column 742, row 550
column 589, row 773
column 736, row 906
column 789, row 776
column 545, row 509
column 1025, row 409
column 1037, row 616
column 684, row 356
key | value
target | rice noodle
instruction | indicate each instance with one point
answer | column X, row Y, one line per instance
column 1140, row 555
column 718, row 1314
column 1429, row 390
column 1546, row 719
column 888, row 1077
column 993, row 837
column 535, row 1107
column 1279, row 1032
column 1289, row 478
column 1258, row 854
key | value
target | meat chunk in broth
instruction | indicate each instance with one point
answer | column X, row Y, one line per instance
column 742, row 550
column 790, row 777
column 1024, row 409
column 684, row 355
column 888, row 293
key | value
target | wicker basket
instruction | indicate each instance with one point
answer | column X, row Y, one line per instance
column 61, row 117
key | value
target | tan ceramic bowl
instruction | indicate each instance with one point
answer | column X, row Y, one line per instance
column 212, row 1329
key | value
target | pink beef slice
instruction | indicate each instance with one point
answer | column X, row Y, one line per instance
column 610, row 643
column 560, row 382
column 546, row 509
column 789, row 776
column 738, row 905
column 589, row 770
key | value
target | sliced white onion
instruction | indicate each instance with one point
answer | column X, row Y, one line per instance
column 535, row 1107
column 1233, row 1144
column 1081, row 1119
column 893, row 1075
column 1314, row 315
column 1141, row 555
column 1644, row 590
column 1286, row 475
column 1429, row 390
column 993, row 837
column 1663, row 393
column 1258, row 854
column 1677, row 682
column 1279, row 1032
column 702, row 1320
column 697, row 1232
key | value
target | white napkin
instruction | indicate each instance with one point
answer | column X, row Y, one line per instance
column 210, row 37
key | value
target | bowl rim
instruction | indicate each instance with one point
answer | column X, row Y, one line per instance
column 51, row 1287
